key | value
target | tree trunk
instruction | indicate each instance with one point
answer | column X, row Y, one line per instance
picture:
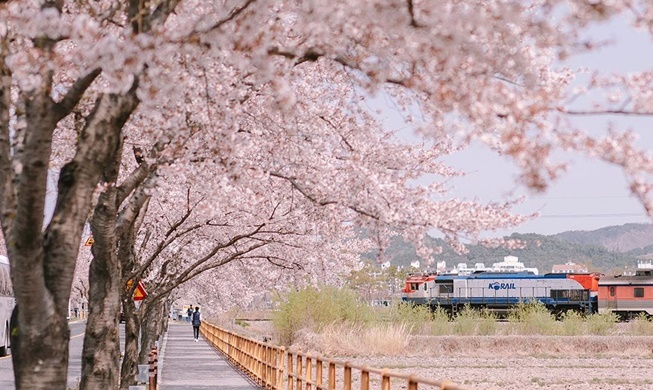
column 130, row 359
column 165, row 316
column 42, row 354
column 150, row 329
column 101, row 353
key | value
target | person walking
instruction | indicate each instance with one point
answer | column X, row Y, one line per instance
column 189, row 313
column 197, row 321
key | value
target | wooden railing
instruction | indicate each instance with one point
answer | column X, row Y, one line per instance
column 272, row 367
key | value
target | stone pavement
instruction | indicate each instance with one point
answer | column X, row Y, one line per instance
column 189, row 365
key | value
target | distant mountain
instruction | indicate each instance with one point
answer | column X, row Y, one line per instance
column 621, row 238
column 605, row 250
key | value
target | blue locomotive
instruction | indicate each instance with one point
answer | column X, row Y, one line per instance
column 500, row 291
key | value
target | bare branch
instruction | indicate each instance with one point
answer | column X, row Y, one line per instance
column 333, row 126
column 313, row 199
column 301, row 189
column 142, row 20
column 139, row 175
column 411, row 11
column 232, row 15
column 162, row 11
column 203, row 264
column 75, row 93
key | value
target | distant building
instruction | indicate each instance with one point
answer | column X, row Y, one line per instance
column 463, row 269
column 645, row 264
column 569, row 268
column 385, row 265
column 414, row 264
column 509, row 264
column 642, row 264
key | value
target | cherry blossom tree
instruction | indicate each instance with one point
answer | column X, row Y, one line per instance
column 263, row 102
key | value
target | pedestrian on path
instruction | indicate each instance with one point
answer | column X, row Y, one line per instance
column 189, row 313
column 197, row 321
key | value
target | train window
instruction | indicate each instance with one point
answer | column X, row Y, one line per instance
column 446, row 289
column 579, row 295
column 414, row 286
column 572, row 295
column 612, row 291
column 639, row 292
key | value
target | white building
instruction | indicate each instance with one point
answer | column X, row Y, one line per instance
column 511, row 264
column 463, row 269
column 569, row 268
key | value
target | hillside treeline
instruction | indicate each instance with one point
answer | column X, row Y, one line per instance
column 541, row 251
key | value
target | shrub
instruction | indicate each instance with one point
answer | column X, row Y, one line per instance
column 415, row 317
column 315, row 308
column 573, row 323
column 641, row 325
column 487, row 323
column 601, row 324
column 532, row 318
column 465, row 321
column 439, row 324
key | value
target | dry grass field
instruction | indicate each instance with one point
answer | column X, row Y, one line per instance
column 501, row 362
column 483, row 354
column 527, row 362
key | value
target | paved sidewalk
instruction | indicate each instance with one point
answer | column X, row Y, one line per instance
column 189, row 365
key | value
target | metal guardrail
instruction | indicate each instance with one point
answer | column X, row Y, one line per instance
column 274, row 368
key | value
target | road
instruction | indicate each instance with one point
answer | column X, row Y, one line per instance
column 74, row 365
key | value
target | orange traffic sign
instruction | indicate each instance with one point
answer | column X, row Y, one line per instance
column 139, row 293
column 89, row 241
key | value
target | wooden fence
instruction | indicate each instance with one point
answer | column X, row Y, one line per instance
column 272, row 367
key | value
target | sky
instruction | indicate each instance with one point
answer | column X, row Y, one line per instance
column 592, row 194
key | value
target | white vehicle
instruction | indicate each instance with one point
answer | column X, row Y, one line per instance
column 6, row 305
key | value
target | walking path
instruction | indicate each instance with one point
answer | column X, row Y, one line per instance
column 187, row 365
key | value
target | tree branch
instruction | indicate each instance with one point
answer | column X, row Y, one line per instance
column 75, row 93
column 232, row 15
column 140, row 174
column 140, row 18
column 411, row 12
column 201, row 266
column 313, row 199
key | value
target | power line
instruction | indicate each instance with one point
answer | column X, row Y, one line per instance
column 594, row 215
column 581, row 197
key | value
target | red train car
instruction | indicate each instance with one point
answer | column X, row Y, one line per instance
column 627, row 295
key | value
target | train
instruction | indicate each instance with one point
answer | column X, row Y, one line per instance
column 626, row 296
